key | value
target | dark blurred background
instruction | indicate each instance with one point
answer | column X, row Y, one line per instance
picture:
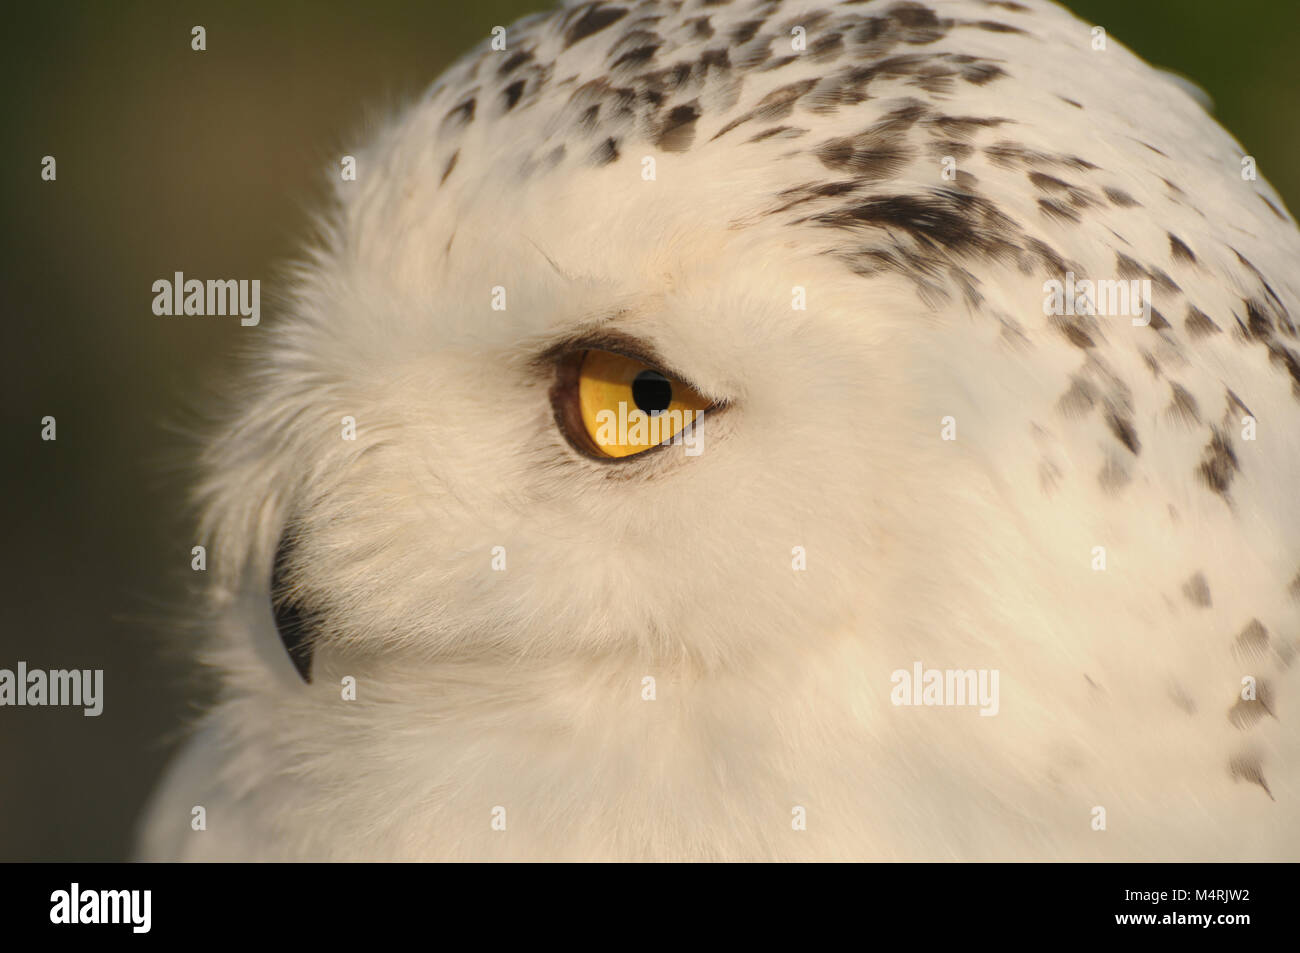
column 210, row 163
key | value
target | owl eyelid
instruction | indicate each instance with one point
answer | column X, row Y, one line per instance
column 615, row 342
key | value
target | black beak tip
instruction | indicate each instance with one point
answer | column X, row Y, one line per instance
column 294, row 625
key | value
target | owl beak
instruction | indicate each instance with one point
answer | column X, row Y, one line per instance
column 292, row 621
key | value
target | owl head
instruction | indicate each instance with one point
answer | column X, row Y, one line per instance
column 745, row 345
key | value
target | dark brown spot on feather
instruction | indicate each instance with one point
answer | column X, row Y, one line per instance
column 1163, row 281
column 1179, row 250
column 962, row 127
column 864, row 155
column 1219, row 463
column 784, row 132
column 1182, row 408
column 1235, row 401
column 980, row 74
column 678, row 130
column 606, row 152
column 1114, row 475
column 594, row 19
column 744, row 32
column 945, row 218
column 1078, row 399
column 1178, row 695
column 1259, row 325
column 1123, row 430
column 1128, row 268
column 917, row 24
column 1198, row 324
column 776, row 63
column 517, row 59
column 460, row 115
column 1247, row 711
column 942, row 148
column 1055, row 210
column 717, row 59
column 1048, row 183
column 1048, row 257
column 512, row 93
column 1197, row 591
column 1076, row 335
column 701, row 27
column 1288, row 361
column 635, row 57
column 1252, row 643
column 451, row 164
column 1249, row 768
column 827, row 47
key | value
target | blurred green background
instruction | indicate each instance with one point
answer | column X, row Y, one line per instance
column 209, row 163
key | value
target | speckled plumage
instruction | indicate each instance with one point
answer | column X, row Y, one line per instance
column 820, row 168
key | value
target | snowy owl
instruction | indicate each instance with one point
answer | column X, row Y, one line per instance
column 779, row 430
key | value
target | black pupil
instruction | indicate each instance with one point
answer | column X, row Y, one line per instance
column 652, row 392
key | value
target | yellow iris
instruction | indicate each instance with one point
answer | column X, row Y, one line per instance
column 628, row 407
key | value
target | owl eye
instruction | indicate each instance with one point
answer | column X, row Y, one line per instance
column 614, row 406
